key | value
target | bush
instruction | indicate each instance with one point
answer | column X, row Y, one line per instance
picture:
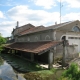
column 72, row 73
column 1, row 48
column 2, row 40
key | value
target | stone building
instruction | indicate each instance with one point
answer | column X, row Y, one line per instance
column 51, row 35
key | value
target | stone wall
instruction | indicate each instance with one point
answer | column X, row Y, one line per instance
column 38, row 36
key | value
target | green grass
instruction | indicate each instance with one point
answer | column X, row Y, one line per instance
column 46, row 72
column 52, row 74
column 39, row 75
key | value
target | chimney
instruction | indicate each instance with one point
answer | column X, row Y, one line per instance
column 17, row 24
column 55, row 23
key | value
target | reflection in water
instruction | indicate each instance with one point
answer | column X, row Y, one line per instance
column 7, row 73
column 1, row 61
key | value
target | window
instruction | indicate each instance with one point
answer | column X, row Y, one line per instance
column 70, row 37
column 36, row 38
column 28, row 39
column 76, row 29
column 22, row 39
column 47, row 37
column 73, row 37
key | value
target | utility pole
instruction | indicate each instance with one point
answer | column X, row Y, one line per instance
column 60, row 11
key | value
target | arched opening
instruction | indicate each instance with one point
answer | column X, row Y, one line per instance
column 47, row 37
column 76, row 29
column 28, row 39
column 63, row 37
column 36, row 38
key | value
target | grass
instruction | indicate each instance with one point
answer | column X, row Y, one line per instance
column 39, row 75
column 52, row 74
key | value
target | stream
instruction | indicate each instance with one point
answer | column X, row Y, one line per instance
column 16, row 68
column 7, row 72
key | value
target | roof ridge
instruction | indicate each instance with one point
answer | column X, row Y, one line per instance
column 61, row 24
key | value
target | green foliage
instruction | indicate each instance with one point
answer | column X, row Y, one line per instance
column 40, row 75
column 1, row 48
column 2, row 40
column 72, row 73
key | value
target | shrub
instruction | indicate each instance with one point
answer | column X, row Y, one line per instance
column 72, row 73
column 2, row 40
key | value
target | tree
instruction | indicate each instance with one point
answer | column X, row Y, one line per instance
column 2, row 40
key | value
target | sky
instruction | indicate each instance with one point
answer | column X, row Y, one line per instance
column 36, row 12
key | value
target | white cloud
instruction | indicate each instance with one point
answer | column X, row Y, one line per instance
column 47, row 4
column 37, row 17
column 1, row 15
column 25, row 15
column 72, row 3
column 6, row 27
column 71, row 16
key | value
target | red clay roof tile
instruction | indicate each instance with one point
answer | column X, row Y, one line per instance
column 31, row 30
column 33, row 47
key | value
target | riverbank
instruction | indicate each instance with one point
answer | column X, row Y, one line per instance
column 44, row 75
column 29, row 70
column 33, row 70
column 7, row 72
column 20, row 64
column 1, row 48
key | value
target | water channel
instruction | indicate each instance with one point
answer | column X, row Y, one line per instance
column 7, row 72
column 15, row 68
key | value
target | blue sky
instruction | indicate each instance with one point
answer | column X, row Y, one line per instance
column 36, row 12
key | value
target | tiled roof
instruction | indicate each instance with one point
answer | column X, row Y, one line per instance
column 34, row 47
column 23, row 28
column 38, row 28
column 41, row 28
column 26, row 31
column 32, row 30
column 60, row 25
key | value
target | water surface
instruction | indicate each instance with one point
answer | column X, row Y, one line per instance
column 7, row 72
